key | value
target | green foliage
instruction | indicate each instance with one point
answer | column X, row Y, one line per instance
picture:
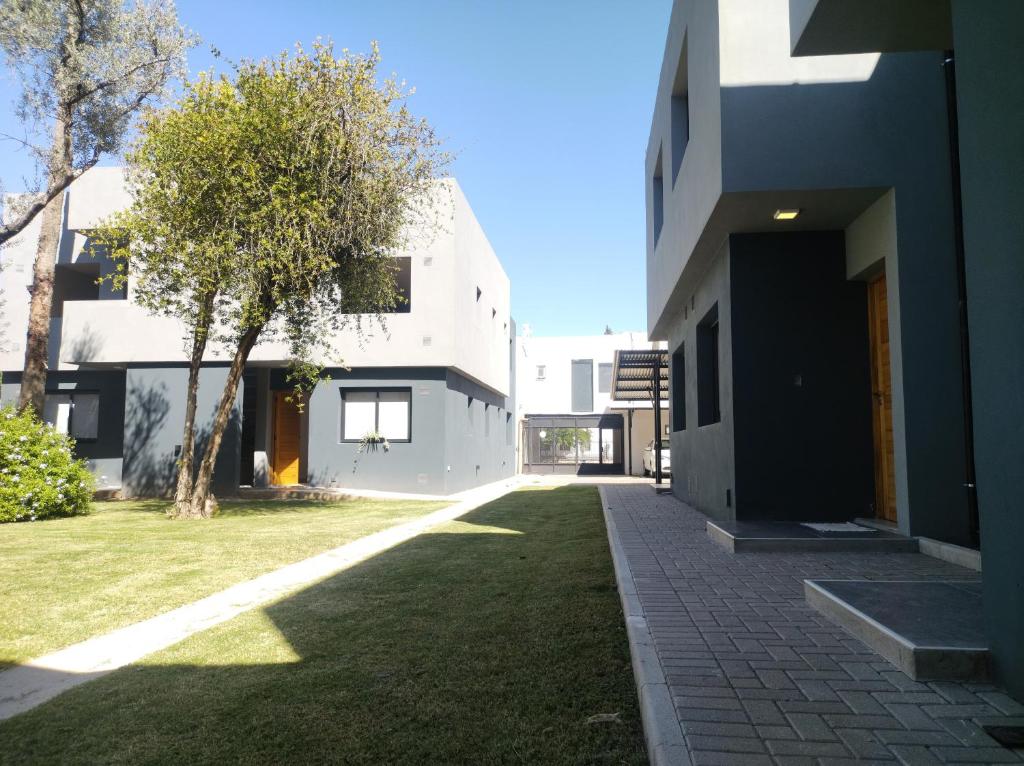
column 566, row 439
column 275, row 200
column 39, row 476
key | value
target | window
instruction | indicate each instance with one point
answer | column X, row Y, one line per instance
column 708, row 405
column 678, row 390
column 75, row 413
column 604, row 378
column 657, row 199
column 403, row 285
column 680, row 114
column 541, row 371
column 387, row 412
column 582, row 385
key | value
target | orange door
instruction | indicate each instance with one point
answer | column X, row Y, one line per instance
column 285, row 462
column 881, row 396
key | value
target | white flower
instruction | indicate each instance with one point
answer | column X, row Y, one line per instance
column 23, row 438
column 42, row 465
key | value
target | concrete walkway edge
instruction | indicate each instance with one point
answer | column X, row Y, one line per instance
column 25, row 686
column 666, row 745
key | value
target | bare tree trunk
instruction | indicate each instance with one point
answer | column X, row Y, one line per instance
column 183, row 490
column 37, row 342
column 202, row 503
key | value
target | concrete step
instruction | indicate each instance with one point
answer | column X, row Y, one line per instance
column 931, row 630
column 796, row 537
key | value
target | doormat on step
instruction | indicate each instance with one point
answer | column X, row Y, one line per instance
column 845, row 526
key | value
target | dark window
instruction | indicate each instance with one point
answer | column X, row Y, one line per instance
column 403, row 286
column 582, row 385
column 680, row 114
column 509, row 429
column 708, row 407
column 657, row 199
column 604, row 378
column 678, row 390
column 76, row 413
column 386, row 412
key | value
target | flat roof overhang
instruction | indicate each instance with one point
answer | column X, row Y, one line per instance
column 751, row 212
column 633, row 375
column 828, row 27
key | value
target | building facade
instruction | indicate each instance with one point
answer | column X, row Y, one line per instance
column 436, row 379
column 804, row 267
column 569, row 421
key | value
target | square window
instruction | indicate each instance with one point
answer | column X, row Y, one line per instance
column 74, row 413
column 386, row 412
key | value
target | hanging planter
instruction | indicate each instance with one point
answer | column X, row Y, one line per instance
column 371, row 441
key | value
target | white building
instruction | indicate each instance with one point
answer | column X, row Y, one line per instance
column 568, row 420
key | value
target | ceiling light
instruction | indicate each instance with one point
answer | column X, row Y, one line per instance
column 786, row 214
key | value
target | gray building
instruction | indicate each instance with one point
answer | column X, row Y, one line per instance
column 805, row 265
column 437, row 380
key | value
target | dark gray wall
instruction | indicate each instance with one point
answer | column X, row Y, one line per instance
column 154, row 416
column 889, row 131
column 802, row 388
column 104, row 454
column 990, row 93
column 460, row 435
column 703, row 460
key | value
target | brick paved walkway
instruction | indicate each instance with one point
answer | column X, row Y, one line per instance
column 757, row 677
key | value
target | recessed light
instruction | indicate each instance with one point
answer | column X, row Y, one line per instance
column 786, row 214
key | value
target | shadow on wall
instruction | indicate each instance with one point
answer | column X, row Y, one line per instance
column 146, row 472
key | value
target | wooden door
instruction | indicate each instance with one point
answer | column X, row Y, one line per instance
column 881, row 398
column 285, row 460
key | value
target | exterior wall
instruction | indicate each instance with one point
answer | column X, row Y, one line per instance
column 553, row 394
column 801, row 380
column 642, row 435
column 104, row 455
column 703, row 457
column 447, row 325
column 455, row 444
column 991, row 120
column 154, row 416
column 830, row 135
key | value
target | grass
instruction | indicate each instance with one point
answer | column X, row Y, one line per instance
column 65, row 580
column 488, row 640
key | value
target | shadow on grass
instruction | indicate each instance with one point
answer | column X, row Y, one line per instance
column 490, row 641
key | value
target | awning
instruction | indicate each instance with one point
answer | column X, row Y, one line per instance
column 633, row 374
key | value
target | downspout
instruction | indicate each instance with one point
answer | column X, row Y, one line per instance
column 629, row 436
column 949, row 67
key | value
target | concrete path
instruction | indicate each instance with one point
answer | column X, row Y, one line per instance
column 734, row 668
column 25, row 686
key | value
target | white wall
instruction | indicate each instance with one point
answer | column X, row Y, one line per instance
column 553, row 394
column 446, row 325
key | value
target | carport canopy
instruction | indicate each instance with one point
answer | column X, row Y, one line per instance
column 634, row 373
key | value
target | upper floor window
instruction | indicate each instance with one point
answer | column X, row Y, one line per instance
column 679, row 116
column 657, row 199
column 678, row 396
column 541, row 371
column 403, row 285
column 74, row 412
column 582, row 385
column 604, row 378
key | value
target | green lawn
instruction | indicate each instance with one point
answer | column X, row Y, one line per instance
column 488, row 640
column 65, row 580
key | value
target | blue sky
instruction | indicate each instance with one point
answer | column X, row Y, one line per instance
column 546, row 104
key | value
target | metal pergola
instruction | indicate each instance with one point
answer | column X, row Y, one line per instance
column 642, row 375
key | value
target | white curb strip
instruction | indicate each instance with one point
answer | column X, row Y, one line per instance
column 666, row 745
column 36, row 681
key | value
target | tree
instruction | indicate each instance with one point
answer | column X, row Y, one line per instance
column 269, row 206
column 85, row 67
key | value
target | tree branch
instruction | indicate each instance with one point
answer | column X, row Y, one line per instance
column 11, row 230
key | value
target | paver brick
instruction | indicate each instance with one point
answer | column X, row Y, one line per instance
column 751, row 667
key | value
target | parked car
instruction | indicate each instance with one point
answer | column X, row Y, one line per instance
column 649, row 459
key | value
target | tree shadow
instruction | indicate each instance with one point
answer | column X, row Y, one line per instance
column 490, row 641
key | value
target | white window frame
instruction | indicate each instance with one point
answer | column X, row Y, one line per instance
column 376, row 412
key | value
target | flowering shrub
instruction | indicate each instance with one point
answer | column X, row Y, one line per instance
column 39, row 476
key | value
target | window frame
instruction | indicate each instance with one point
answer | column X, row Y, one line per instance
column 70, row 393
column 378, row 390
column 603, row 367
